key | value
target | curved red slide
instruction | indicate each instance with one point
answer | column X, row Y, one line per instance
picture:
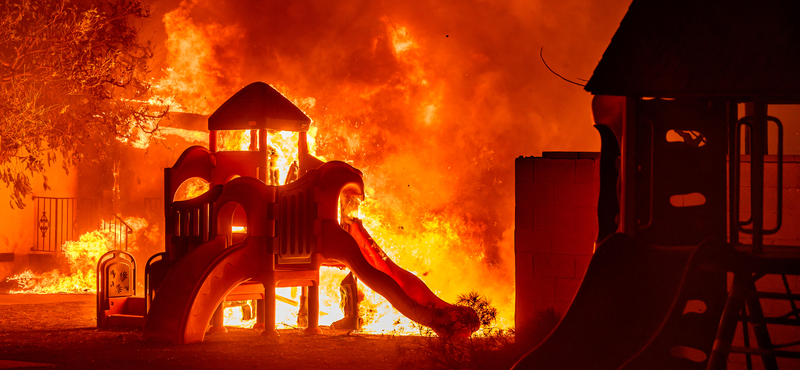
column 188, row 297
column 404, row 290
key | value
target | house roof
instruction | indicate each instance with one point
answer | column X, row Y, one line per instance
column 668, row 48
column 257, row 106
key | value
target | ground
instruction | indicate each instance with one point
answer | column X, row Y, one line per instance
column 60, row 332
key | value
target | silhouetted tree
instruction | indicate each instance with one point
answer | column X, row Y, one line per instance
column 69, row 71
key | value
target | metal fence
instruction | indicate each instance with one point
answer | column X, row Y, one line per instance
column 59, row 220
column 55, row 222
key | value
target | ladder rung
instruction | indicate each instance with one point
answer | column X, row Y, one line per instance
column 770, row 320
column 770, row 295
column 765, row 352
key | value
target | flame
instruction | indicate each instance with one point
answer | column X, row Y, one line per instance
column 142, row 140
column 282, row 145
column 377, row 314
column 81, row 256
column 193, row 62
column 443, row 249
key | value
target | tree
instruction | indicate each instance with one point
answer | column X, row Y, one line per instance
column 69, row 72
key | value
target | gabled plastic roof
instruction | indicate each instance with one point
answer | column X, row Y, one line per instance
column 258, row 106
column 703, row 48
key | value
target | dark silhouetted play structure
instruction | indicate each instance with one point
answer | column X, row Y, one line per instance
column 667, row 93
column 288, row 232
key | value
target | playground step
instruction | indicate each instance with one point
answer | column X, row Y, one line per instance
column 128, row 321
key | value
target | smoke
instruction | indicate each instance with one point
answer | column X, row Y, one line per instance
column 433, row 100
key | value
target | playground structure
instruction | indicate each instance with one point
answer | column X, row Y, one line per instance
column 673, row 224
column 651, row 300
column 655, row 294
column 117, row 302
column 289, row 231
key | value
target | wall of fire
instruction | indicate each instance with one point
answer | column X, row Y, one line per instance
column 556, row 227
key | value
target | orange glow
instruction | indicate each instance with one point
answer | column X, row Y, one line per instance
column 192, row 62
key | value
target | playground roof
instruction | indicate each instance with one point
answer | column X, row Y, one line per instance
column 258, row 106
column 703, row 48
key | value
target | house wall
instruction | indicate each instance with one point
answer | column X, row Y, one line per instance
column 17, row 226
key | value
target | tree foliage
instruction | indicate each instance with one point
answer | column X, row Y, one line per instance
column 71, row 74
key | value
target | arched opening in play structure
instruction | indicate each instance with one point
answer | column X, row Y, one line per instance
column 191, row 188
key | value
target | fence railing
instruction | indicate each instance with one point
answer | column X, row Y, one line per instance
column 59, row 220
column 120, row 230
column 54, row 223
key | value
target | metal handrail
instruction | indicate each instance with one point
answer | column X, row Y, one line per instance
column 118, row 223
column 747, row 121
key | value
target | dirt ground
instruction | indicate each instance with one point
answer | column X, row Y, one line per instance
column 63, row 335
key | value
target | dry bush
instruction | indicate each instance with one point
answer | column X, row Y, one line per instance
column 489, row 348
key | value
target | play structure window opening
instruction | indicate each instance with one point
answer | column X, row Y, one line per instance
column 192, row 188
column 281, row 151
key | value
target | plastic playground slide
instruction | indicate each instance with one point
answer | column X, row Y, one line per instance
column 186, row 300
column 627, row 293
column 404, row 290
